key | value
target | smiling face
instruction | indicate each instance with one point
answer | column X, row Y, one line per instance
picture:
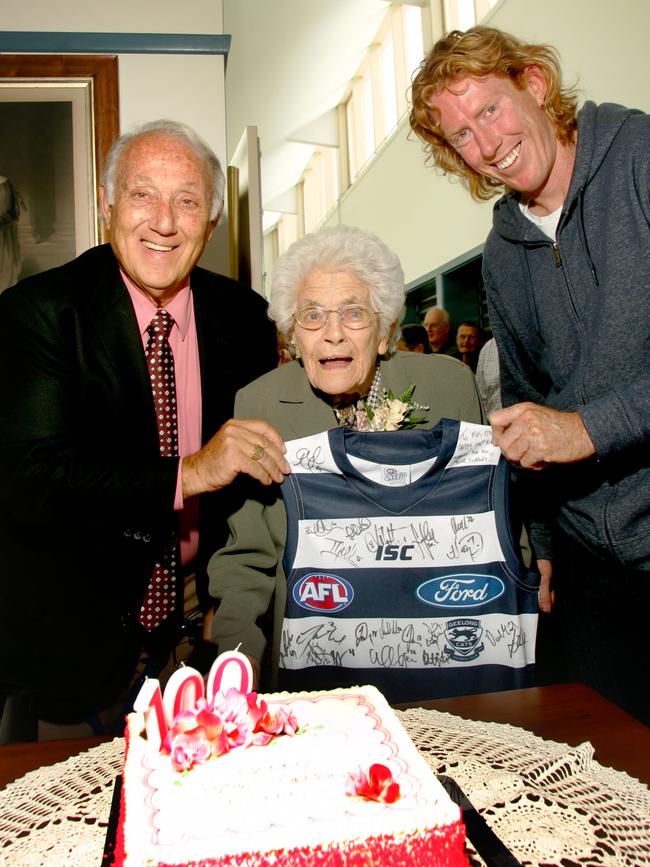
column 467, row 339
column 160, row 219
column 337, row 360
column 502, row 132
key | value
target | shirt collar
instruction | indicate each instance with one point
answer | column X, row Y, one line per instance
column 180, row 306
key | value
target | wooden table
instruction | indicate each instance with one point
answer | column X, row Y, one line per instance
column 568, row 713
column 18, row 759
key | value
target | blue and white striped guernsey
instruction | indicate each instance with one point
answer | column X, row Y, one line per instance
column 404, row 575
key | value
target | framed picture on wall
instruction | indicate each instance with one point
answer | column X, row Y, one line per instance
column 54, row 135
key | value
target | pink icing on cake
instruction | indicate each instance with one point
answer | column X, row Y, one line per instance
column 287, row 802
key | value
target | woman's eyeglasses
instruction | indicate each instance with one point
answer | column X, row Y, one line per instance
column 314, row 317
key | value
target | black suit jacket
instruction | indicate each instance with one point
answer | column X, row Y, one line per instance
column 85, row 499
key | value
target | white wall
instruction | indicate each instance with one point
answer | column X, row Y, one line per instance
column 188, row 88
column 429, row 220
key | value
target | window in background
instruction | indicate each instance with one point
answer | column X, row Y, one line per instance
column 351, row 133
column 375, row 103
column 413, row 39
column 360, row 121
column 387, row 89
column 482, row 8
column 368, row 119
column 287, row 231
column 463, row 14
column 377, row 98
column 459, row 14
column 320, row 186
column 278, row 237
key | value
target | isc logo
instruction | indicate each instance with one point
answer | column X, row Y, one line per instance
column 394, row 552
column 317, row 592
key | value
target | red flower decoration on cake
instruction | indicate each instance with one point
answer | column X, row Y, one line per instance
column 377, row 785
column 272, row 723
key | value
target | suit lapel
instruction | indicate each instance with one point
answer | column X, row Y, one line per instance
column 301, row 409
column 213, row 361
column 117, row 333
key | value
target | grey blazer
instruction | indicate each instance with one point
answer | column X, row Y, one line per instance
column 247, row 574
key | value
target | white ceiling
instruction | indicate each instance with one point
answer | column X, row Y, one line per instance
column 289, row 63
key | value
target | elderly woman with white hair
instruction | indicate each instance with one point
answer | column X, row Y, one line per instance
column 337, row 295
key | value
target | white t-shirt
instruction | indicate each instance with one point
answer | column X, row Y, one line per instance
column 547, row 223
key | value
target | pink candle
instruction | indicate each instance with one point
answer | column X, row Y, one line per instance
column 184, row 688
column 230, row 669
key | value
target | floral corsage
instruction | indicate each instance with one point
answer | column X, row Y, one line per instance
column 388, row 413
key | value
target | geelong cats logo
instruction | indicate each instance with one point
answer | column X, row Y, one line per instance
column 463, row 637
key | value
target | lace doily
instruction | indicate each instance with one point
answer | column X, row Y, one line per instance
column 550, row 803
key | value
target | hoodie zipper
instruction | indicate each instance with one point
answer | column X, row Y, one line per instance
column 555, row 247
column 558, row 264
column 556, row 255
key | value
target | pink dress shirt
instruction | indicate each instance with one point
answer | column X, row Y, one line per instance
column 185, row 348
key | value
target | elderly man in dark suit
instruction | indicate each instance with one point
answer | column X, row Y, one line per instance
column 101, row 515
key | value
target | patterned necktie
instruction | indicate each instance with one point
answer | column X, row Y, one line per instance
column 160, row 598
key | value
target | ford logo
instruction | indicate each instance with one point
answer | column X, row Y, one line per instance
column 461, row 591
column 321, row 592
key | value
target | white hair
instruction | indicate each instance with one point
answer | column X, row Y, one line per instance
column 445, row 314
column 340, row 248
column 173, row 129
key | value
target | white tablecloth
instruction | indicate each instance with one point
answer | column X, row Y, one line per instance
column 550, row 803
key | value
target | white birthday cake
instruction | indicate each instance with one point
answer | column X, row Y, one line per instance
column 327, row 778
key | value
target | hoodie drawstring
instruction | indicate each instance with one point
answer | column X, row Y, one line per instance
column 525, row 266
column 583, row 235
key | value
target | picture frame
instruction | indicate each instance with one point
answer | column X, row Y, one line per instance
column 58, row 117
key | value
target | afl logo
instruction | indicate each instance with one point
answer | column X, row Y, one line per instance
column 461, row 591
column 327, row 593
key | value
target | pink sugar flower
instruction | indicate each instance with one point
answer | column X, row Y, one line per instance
column 184, row 721
column 277, row 721
column 211, row 722
column 378, row 785
column 238, row 716
column 188, row 750
column 199, row 723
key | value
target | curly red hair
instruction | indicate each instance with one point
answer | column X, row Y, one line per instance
column 482, row 51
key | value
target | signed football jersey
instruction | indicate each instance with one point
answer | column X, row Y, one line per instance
column 402, row 567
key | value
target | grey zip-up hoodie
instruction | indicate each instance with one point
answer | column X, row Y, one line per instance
column 572, row 323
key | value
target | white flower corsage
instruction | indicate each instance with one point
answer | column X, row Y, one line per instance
column 389, row 412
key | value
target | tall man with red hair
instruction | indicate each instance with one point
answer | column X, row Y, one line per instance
column 566, row 266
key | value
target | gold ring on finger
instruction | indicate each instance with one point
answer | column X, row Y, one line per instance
column 258, row 453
